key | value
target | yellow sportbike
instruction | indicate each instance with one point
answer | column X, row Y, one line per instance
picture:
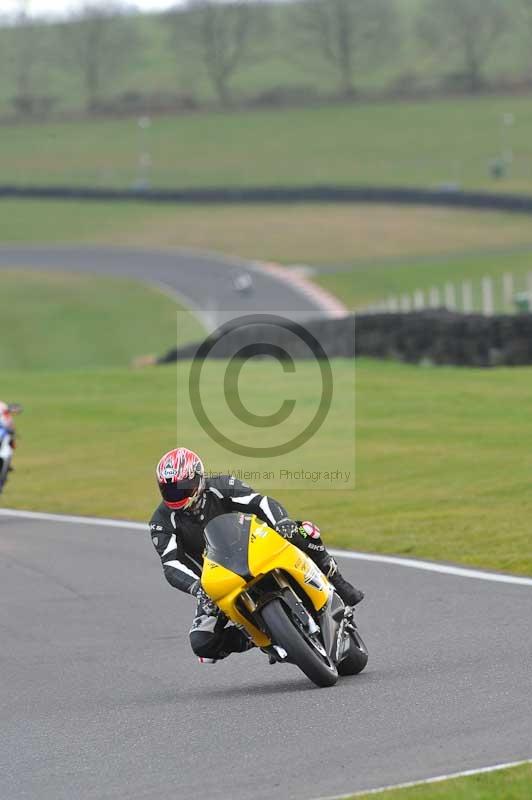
column 277, row 594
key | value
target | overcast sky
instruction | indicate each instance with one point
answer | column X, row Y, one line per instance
column 63, row 7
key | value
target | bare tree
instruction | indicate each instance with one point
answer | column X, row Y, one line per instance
column 223, row 34
column 349, row 35
column 473, row 27
column 526, row 15
column 26, row 59
column 99, row 42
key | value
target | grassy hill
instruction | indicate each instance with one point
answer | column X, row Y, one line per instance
column 410, row 144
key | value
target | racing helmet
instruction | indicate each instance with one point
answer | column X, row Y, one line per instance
column 181, row 478
column 6, row 419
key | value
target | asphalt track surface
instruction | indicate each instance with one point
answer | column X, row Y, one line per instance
column 201, row 280
column 101, row 697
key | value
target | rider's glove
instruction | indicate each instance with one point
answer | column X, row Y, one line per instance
column 287, row 528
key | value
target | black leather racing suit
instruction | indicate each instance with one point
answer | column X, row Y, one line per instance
column 178, row 537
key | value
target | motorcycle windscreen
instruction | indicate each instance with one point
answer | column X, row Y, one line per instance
column 227, row 540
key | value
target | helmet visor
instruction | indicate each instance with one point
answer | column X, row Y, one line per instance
column 182, row 490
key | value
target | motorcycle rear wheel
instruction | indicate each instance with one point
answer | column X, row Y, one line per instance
column 356, row 658
column 301, row 652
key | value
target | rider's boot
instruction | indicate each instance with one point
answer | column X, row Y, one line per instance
column 349, row 593
column 234, row 641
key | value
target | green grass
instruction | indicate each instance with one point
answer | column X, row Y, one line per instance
column 507, row 784
column 31, row 221
column 443, row 457
column 292, row 234
column 67, row 321
column 411, row 144
column 365, row 283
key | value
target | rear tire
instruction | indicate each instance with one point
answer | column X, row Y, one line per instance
column 356, row 658
column 286, row 634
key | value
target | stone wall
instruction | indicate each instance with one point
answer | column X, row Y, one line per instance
column 436, row 337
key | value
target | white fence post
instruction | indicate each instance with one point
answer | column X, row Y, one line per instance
column 467, row 297
column 487, row 297
column 406, row 305
column 393, row 305
column 419, row 300
column 450, row 297
column 434, row 297
column 507, row 290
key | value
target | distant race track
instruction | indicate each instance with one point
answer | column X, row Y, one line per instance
column 101, row 696
column 201, row 280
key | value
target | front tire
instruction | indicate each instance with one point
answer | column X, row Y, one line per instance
column 301, row 652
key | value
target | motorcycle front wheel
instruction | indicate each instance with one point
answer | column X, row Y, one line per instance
column 301, row 651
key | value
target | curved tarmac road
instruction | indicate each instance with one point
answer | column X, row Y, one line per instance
column 101, row 697
column 200, row 279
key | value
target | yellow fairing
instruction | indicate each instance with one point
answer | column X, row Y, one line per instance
column 267, row 551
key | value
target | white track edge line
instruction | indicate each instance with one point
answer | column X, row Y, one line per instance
column 433, row 566
column 427, row 566
column 116, row 523
column 101, row 521
column 438, row 779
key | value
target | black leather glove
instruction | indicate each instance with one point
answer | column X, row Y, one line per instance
column 287, row 528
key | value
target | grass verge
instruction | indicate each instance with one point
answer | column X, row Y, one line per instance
column 364, row 283
column 409, row 144
column 304, row 234
column 443, row 456
column 72, row 321
column 504, row 784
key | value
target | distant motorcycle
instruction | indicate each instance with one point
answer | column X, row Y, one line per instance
column 242, row 282
column 274, row 591
column 7, row 440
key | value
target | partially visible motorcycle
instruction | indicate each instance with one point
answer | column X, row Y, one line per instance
column 277, row 594
column 7, row 439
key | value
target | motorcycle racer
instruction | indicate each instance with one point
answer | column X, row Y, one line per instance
column 190, row 501
column 7, row 410
column 7, row 438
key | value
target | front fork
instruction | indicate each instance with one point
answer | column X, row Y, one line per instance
column 336, row 622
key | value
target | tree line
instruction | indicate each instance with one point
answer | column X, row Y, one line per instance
column 337, row 43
